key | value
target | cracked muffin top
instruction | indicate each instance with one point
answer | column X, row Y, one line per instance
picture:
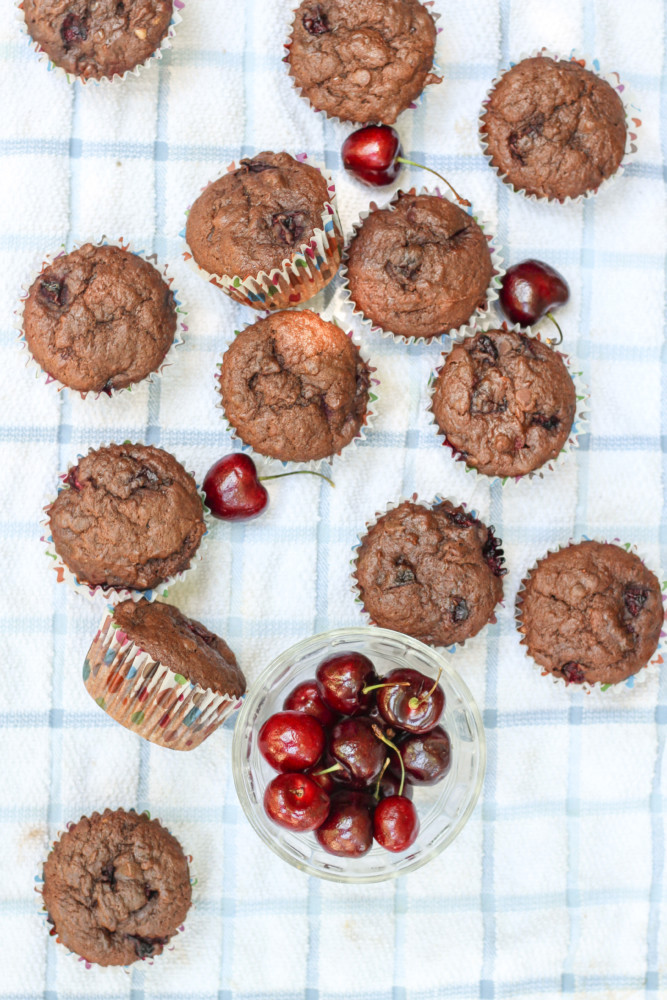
column 420, row 267
column 432, row 573
column 99, row 318
column 182, row 644
column 591, row 612
column 257, row 216
column 362, row 60
column 92, row 40
column 553, row 128
column 131, row 517
column 294, row 387
column 505, row 401
column 116, row 887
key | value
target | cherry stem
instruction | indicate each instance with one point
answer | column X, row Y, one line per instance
column 376, row 687
column 298, row 472
column 328, row 770
column 380, row 735
column 555, row 343
column 417, row 700
column 376, row 794
column 462, row 201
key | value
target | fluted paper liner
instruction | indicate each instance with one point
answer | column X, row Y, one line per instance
column 633, row 123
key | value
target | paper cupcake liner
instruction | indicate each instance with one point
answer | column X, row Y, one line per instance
column 149, row 960
column 301, row 276
column 266, row 462
column 146, row 696
column 479, row 314
column 578, row 424
column 356, row 591
column 648, row 670
column 115, row 595
column 46, row 261
column 435, row 70
column 104, row 80
column 633, row 123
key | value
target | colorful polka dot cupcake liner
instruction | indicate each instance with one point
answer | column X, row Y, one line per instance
column 632, row 112
column 147, row 696
column 643, row 675
column 479, row 314
column 469, row 643
column 578, row 424
column 270, row 464
column 53, row 933
column 105, row 80
column 115, row 595
column 435, row 70
column 103, row 241
column 301, row 276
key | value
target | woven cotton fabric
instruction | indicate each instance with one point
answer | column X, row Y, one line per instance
column 556, row 886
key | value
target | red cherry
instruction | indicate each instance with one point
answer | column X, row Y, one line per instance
column 296, row 802
column 412, row 702
column 355, row 747
column 291, row 741
column 306, row 698
column 233, row 490
column 395, row 823
column 530, row 290
column 426, row 757
column 347, row 831
column 371, row 154
column 341, row 680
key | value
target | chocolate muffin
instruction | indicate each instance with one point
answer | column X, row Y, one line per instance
column 94, row 40
column 591, row 612
column 295, row 387
column 553, row 128
column 255, row 217
column 99, row 318
column 420, row 267
column 431, row 572
column 184, row 645
column 505, row 402
column 116, row 887
column 130, row 516
column 362, row 60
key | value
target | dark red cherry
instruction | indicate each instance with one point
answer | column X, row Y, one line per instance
column 322, row 777
column 410, row 700
column 342, row 679
column 73, row 29
column 530, row 290
column 371, row 154
column 233, row 490
column 306, row 698
column 291, row 741
column 426, row 757
column 572, row 673
column 395, row 823
column 355, row 747
column 347, row 831
column 296, row 801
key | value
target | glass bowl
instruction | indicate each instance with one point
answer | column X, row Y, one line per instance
column 443, row 808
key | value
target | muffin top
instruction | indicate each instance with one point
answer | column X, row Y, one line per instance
column 181, row 644
column 591, row 612
column 131, row 517
column 92, row 40
column 420, row 267
column 432, row 573
column 99, row 318
column 505, row 401
column 553, row 128
column 254, row 218
column 116, row 887
column 362, row 60
column 294, row 387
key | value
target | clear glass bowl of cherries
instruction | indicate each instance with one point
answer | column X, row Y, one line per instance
column 359, row 754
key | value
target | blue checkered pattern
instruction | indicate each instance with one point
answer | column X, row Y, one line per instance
column 556, row 886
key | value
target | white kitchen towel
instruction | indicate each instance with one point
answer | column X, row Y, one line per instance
column 556, row 886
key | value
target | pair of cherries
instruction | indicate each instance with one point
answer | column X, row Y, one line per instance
column 349, row 746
